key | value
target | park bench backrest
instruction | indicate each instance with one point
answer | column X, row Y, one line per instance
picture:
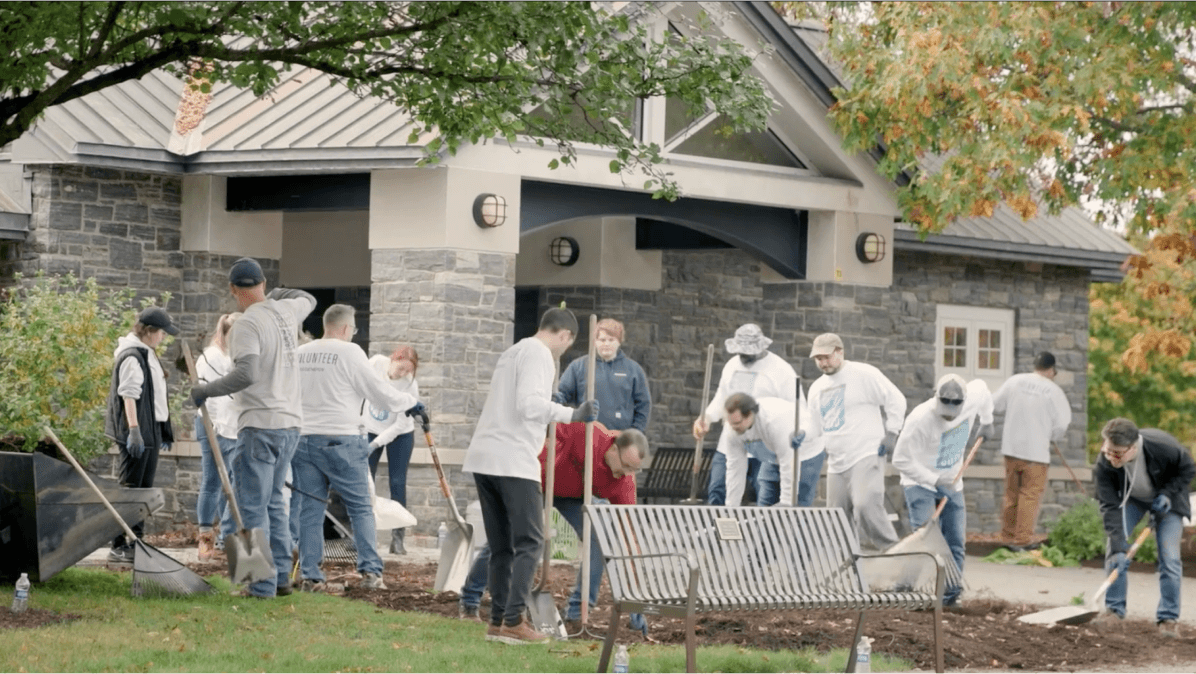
column 670, row 474
column 752, row 572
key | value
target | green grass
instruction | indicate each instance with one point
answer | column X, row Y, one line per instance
column 313, row 633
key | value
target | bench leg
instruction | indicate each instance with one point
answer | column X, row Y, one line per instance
column 691, row 643
column 608, row 644
column 939, row 664
column 855, row 642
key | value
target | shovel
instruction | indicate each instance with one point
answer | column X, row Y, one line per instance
column 545, row 616
column 693, row 485
column 1078, row 615
column 454, row 553
column 249, row 556
column 928, row 538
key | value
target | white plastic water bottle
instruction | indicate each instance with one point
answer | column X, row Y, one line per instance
column 441, row 535
column 20, row 597
column 622, row 660
column 863, row 655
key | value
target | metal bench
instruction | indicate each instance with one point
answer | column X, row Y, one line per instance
column 679, row 561
column 670, row 475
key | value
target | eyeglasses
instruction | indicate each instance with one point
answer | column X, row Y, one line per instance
column 951, row 401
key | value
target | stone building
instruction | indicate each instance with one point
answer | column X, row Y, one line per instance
column 778, row 227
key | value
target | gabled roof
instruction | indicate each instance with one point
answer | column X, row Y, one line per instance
column 1069, row 238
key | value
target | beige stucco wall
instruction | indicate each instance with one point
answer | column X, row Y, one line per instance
column 325, row 249
column 433, row 208
column 208, row 227
column 830, row 253
column 607, row 256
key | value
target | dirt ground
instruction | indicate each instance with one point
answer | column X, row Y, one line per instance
column 980, row 635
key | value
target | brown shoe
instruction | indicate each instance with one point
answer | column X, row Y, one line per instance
column 1107, row 621
column 492, row 633
column 520, row 634
column 207, row 545
column 1169, row 629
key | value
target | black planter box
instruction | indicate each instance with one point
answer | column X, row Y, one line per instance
column 50, row 518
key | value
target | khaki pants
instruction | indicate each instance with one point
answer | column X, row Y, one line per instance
column 1024, row 484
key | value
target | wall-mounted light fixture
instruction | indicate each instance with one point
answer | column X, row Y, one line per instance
column 489, row 210
column 870, row 247
column 563, row 251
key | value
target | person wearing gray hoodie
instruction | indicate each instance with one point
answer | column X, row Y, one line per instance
column 138, row 418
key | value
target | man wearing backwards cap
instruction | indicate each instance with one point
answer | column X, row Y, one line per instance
column 503, row 457
column 931, row 449
column 1139, row 472
column 845, row 409
column 757, row 372
column 265, row 373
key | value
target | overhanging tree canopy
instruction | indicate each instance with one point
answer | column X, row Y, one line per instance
column 471, row 71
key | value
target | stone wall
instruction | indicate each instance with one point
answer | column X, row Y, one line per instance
column 706, row 295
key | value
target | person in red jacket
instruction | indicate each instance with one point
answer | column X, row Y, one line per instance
column 617, row 458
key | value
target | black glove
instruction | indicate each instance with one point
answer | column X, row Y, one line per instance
column 134, row 445
column 199, row 395
column 558, row 398
column 1161, row 505
column 587, row 411
column 1119, row 562
column 796, row 440
column 417, row 410
column 987, row 431
column 887, row 445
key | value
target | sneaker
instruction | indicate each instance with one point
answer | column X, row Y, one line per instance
column 396, row 542
column 1106, row 620
column 285, row 590
column 121, row 556
column 492, row 633
column 372, row 581
column 1169, row 629
column 207, row 545
column 312, row 585
column 520, row 634
column 468, row 613
column 573, row 627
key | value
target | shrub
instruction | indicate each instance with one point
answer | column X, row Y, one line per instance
column 57, row 335
column 1080, row 534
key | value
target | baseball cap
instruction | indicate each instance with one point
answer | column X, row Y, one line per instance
column 155, row 317
column 825, row 344
column 246, row 273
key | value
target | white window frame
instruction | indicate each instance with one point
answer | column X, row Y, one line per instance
column 974, row 319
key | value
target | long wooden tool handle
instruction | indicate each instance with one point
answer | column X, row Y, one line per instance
column 959, row 473
column 444, row 488
column 549, row 483
column 693, row 486
column 588, row 485
column 796, row 431
column 213, row 442
column 1116, row 572
column 82, row 473
column 1070, row 472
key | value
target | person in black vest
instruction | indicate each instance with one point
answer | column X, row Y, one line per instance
column 138, row 418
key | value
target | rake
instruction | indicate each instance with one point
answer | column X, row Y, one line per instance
column 155, row 573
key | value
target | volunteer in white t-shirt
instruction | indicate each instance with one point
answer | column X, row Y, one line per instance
column 262, row 347
column 763, row 429
column 212, row 504
column 752, row 370
column 932, row 447
column 393, row 430
column 335, row 375
column 504, row 458
column 845, row 411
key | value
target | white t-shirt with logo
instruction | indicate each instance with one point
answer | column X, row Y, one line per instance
column 768, row 377
column 931, row 449
column 385, row 423
column 336, row 376
column 845, row 410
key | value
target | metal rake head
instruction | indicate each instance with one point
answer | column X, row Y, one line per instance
column 157, row 574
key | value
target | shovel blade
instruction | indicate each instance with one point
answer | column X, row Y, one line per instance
column 454, row 559
column 1067, row 615
column 249, row 556
column 545, row 616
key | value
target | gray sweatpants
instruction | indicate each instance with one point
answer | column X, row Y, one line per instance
column 513, row 515
column 860, row 490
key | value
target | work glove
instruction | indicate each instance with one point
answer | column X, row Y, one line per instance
column 417, row 410
column 374, row 444
column 986, row 431
column 199, row 395
column 796, row 440
column 1161, row 505
column 587, row 411
column 636, row 622
column 135, row 446
column 558, row 398
column 887, row 445
column 1119, row 562
column 166, row 447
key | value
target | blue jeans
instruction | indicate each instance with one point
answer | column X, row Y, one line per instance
column 1171, row 571
column 953, row 523
column 768, row 482
column 398, row 457
column 475, row 582
column 212, row 501
column 260, row 464
column 343, row 462
column 716, row 492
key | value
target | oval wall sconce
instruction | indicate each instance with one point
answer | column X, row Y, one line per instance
column 563, row 251
column 489, row 210
column 870, row 247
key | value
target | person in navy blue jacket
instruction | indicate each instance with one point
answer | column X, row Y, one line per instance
column 620, row 385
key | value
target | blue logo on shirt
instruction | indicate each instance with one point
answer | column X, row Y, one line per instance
column 379, row 415
column 832, row 407
column 743, row 382
column 951, row 446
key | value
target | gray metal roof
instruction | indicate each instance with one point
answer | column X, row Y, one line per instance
column 135, row 114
